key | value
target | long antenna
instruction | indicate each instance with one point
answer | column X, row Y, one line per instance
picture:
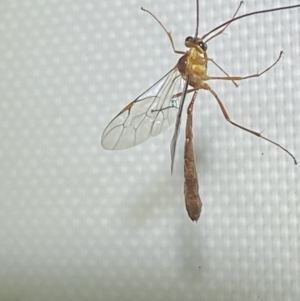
column 249, row 14
column 197, row 18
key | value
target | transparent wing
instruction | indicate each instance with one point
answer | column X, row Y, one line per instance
column 147, row 116
column 177, row 125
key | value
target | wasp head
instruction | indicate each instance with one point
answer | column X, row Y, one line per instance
column 196, row 43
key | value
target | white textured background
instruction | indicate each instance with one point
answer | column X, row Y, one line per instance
column 81, row 223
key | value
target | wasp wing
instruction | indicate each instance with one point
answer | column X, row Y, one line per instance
column 177, row 125
column 148, row 115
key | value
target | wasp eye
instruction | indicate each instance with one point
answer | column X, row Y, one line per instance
column 203, row 45
column 189, row 39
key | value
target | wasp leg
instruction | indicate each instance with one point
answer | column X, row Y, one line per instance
column 248, row 76
column 208, row 88
column 167, row 32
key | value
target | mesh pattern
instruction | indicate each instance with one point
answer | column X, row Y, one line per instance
column 81, row 223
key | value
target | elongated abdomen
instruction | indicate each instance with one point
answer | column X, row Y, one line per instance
column 192, row 199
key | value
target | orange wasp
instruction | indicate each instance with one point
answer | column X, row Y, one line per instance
column 162, row 104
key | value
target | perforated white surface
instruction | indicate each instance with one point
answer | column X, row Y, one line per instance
column 81, row 223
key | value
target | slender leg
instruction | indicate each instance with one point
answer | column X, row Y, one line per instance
column 180, row 93
column 218, row 66
column 208, row 88
column 245, row 77
column 224, row 28
column 167, row 32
